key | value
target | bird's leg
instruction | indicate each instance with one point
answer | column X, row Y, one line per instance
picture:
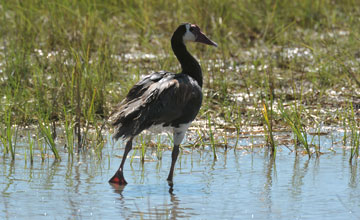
column 118, row 178
column 174, row 157
column 179, row 134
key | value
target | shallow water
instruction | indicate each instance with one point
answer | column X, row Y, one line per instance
column 240, row 184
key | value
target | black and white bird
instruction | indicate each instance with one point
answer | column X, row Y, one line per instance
column 163, row 99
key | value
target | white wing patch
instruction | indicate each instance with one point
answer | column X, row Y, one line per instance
column 188, row 36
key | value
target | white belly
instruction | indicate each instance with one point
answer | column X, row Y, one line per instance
column 160, row 128
column 179, row 133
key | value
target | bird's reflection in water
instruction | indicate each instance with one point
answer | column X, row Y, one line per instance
column 175, row 203
column 118, row 189
column 152, row 209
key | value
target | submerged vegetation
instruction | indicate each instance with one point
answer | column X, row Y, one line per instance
column 281, row 65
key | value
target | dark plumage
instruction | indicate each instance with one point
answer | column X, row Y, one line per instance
column 163, row 98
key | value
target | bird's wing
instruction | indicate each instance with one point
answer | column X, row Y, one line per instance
column 171, row 96
column 171, row 100
column 135, row 93
column 140, row 87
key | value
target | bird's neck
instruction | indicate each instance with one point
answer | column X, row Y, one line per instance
column 189, row 64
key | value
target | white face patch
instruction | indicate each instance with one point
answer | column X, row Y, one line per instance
column 188, row 36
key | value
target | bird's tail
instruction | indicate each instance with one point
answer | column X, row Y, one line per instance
column 129, row 120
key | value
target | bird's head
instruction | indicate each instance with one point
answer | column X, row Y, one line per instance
column 191, row 32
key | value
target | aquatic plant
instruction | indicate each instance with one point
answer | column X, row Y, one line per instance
column 158, row 148
column 354, row 133
column 142, row 149
column 211, row 136
column 45, row 130
column 69, row 132
column 293, row 119
column 8, row 136
column 31, row 148
column 268, row 113
column 269, row 129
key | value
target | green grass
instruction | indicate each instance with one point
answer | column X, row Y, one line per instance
column 46, row 132
column 31, row 148
column 67, row 63
column 294, row 121
column 211, row 136
column 268, row 128
column 355, row 134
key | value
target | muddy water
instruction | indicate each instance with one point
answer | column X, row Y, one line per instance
column 240, row 184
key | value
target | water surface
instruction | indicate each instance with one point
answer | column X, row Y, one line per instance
column 240, row 184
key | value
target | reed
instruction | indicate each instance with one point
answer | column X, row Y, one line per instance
column 354, row 133
column 41, row 147
column 45, row 130
column 158, row 148
column 89, row 119
column 142, row 149
column 267, row 110
column 211, row 136
column 293, row 119
column 31, row 148
column 9, row 136
column 269, row 129
column 69, row 133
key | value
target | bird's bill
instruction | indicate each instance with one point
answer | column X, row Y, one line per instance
column 202, row 38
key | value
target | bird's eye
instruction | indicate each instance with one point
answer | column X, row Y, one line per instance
column 191, row 29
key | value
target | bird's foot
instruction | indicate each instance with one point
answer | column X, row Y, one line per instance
column 118, row 178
